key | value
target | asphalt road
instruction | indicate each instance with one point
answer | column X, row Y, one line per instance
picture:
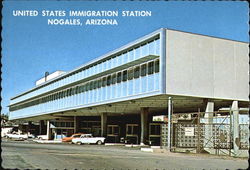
column 23, row 155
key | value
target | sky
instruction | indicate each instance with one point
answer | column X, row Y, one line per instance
column 31, row 47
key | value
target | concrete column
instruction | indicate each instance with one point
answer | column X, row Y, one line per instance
column 169, row 122
column 41, row 127
column 76, row 124
column 236, row 128
column 104, row 124
column 208, row 120
column 144, row 125
column 48, row 130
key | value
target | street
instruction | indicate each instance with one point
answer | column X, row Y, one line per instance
column 29, row 155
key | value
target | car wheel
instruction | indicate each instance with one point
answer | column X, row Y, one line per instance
column 99, row 142
column 78, row 143
column 21, row 138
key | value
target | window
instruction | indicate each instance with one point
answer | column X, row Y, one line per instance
column 80, row 88
column 99, row 83
column 119, row 77
column 104, row 81
column 109, row 80
column 113, row 78
column 155, row 129
column 151, row 67
column 67, row 93
column 143, row 70
column 84, row 87
column 87, row 86
column 124, row 75
column 91, row 85
column 77, row 89
column 95, row 84
column 157, row 66
column 74, row 91
column 130, row 74
column 136, row 72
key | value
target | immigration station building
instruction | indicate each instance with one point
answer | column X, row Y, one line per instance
column 118, row 94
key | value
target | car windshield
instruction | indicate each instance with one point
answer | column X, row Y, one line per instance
column 76, row 136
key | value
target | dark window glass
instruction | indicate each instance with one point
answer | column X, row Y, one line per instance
column 151, row 67
column 157, row 66
column 136, row 72
column 77, row 89
column 130, row 74
column 87, row 87
column 80, row 89
column 104, row 81
column 73, row 91
column 84, row 88
column 119, row 77
column 67, row 92
column 95, row 84
column 143, row 70
column 70, row 91
column 113, row 78
column 64, row 94
column 91, row 84
column 124, row 75
column 99, row 83
column 109, row 80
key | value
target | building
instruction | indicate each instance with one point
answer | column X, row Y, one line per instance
column 162, row 73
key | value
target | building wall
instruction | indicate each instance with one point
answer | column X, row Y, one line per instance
column 89, row 92
column 119, row 59
column 204, row 66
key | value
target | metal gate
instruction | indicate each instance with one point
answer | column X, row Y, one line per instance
column 202, row 132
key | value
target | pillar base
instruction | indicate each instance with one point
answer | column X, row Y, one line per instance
column 142, row 144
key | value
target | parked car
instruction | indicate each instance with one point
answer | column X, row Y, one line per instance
column 42, row 137
column 16, row 136
column 88, row 138
column 31, row 136
column 69, row 139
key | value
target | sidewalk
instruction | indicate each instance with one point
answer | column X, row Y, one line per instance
column 48, row 141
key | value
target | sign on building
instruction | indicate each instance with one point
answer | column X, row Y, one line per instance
column 161, row 118
column 189, row 131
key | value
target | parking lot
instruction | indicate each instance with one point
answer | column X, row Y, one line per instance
column 27, row 154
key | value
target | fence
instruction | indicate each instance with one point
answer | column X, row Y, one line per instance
column 205, row 131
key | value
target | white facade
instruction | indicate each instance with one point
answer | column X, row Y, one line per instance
column 209, row 67
column 49, row 77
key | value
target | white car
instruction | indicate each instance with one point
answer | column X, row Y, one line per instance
column 17, row 136
column 42, row 137
column 88, row 138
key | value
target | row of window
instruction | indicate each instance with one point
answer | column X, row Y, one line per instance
column 151, row 47
column 129, row 74
column 63, row 124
